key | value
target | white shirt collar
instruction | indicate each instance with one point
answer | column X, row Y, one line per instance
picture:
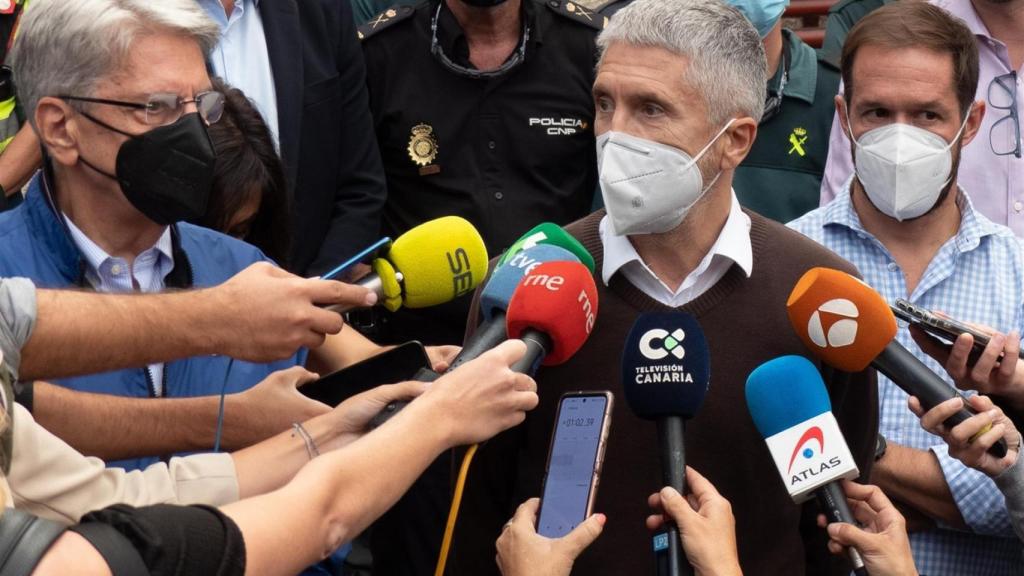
column 732, row 246
column 95, row 256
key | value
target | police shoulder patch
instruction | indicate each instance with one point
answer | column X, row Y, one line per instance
column 579, row 12
column 384, row 20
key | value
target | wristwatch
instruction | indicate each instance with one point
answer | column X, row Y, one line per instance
column 880, row 447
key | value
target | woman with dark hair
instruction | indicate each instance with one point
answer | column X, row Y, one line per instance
column 250, row 196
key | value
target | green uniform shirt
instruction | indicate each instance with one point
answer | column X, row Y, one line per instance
column 841, row 18
column 781, row 176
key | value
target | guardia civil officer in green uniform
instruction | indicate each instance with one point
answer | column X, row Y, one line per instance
column 16, row 168
column 841, row 18
column 482, row 109
column 781, row 176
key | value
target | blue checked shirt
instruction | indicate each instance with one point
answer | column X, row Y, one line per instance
column 977, row 276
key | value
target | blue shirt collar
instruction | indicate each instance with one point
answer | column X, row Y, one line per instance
column 973, row 225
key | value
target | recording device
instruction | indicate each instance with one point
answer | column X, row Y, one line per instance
column 497, row 293
column 403, row 362
column 791, row 409
column 849, row 326
column 368, row 252
column 430, row 264
column 494, row 299
column 943, row 327
column 573, row 471
column 550, row 234
column 666, row 370
column 553, row 310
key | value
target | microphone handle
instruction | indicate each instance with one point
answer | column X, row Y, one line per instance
column 833, row 504
column 538, row 344
column 910, row 374
column 371, row 281
column 488, row 335
column 423, row 375
column 673, row 474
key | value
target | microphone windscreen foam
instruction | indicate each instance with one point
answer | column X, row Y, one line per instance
column 666, row 365
column 551, row 234
column 840, row 319
column 502, row 284
column 439, row 261
column 558, row 299
column 784, row 392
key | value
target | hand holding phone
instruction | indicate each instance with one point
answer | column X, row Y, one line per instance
column 574, row 461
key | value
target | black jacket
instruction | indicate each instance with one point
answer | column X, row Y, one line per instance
column 326, row 131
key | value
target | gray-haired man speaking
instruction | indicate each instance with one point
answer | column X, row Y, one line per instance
column 678, row 95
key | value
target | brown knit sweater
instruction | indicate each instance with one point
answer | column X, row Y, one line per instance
column 745, row 323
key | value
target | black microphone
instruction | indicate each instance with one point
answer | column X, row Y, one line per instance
column 666, row 369
column 791, row 409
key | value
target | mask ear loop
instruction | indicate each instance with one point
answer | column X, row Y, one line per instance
column 701, row 154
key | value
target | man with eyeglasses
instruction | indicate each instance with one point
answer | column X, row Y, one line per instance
column 993, row 167
column 908, row 222
column 482, row 108
column 127, row 159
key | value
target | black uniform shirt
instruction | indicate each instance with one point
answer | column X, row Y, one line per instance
column 505, row 153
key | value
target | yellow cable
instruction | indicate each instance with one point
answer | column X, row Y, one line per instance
column 453, row 512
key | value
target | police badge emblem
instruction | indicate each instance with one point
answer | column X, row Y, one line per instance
column 422, row 145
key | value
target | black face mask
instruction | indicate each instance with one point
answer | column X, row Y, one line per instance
column 166, row 173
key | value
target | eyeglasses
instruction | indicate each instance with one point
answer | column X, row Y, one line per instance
column 515, row 60
column 1004, row 137
column 163, row 108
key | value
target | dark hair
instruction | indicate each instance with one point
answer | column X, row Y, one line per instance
column 917, row 24
column 248, row 164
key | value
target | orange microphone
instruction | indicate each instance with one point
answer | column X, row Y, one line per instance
column 849, row 326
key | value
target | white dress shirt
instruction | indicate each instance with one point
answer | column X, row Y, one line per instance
column 732, row 246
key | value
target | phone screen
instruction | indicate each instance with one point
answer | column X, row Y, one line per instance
column 574, row 453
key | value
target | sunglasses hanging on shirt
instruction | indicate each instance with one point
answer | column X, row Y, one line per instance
column 773, row 101
column 516, row 59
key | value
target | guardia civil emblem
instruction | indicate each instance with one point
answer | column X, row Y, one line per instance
column 422, row 145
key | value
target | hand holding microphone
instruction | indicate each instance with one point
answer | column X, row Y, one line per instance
column 430, row 264
column 665, row 376
column 850, row 327
column 791, row 409
column 969, row 441
column 705, row 521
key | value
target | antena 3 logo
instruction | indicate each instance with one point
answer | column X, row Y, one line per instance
column 559, row 126
column 839, row 333
column 657, row 344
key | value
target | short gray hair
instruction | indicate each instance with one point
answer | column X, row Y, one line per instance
column 67, row 46
column 726, row 56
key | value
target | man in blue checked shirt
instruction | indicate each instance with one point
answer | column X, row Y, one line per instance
column 913, row 233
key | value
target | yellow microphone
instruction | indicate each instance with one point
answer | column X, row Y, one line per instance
column 430, row 264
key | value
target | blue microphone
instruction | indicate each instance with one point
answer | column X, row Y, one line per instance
column 790, row 407
column 666, row 368
column 497, row 293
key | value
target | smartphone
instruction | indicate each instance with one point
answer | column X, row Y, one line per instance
column 401, row 363
column 942, row 327
column 369, row 252
column 574, row 461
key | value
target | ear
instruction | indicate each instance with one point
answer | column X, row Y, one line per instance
column 843, row 115
column 974, row 118
column 738, row 139
column 57, row 130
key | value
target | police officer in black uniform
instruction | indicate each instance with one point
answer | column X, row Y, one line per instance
column 482, row 109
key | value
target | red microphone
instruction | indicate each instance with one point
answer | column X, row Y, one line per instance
column 553, row 310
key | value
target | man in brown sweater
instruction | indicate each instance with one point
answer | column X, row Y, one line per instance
column 679, row 91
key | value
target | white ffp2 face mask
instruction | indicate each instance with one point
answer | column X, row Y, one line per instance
column 903, row 168
column 648, row 187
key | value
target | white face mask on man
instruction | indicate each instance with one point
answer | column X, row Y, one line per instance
column 903, row 168
column 648, row 187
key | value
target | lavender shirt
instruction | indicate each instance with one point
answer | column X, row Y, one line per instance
column 995, row 183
